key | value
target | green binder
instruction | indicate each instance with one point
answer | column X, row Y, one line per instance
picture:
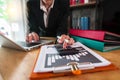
column 98, row 45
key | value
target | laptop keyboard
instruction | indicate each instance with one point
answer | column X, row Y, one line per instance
column 26, row 44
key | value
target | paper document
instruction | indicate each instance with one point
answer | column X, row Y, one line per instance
column 55, row 58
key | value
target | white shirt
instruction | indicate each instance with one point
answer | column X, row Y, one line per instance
column 46, row 12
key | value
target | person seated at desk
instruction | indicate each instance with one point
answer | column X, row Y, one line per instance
column 48, row 18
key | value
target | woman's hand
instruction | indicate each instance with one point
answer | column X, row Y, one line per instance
column 66, row 40
column 32, row 37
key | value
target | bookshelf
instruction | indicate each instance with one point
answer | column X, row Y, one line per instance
column 83, row 14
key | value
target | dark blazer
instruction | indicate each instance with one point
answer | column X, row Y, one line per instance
column 57, row 22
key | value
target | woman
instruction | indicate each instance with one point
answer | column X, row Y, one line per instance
column 48, row 18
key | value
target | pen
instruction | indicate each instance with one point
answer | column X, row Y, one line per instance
column 66, row 40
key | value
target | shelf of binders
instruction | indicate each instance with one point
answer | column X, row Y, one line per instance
column 75, row 5
column 83, row 15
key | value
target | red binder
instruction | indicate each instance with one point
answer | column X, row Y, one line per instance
column 95, row 34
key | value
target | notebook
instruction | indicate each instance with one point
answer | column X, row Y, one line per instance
column 22, row 45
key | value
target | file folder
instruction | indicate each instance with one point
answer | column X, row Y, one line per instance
column 38, row 76
column 98, row 45
column 84, row 67
column 95, row 34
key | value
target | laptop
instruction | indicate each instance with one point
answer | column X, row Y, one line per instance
column 22, row 45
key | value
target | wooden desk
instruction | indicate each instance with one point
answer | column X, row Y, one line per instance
column 17, row 65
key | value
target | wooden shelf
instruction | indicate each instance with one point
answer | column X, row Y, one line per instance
column 83, row 4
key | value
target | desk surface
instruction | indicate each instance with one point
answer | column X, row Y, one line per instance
column 17, row 65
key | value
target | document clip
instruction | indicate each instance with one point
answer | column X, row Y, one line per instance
column 74, row 67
